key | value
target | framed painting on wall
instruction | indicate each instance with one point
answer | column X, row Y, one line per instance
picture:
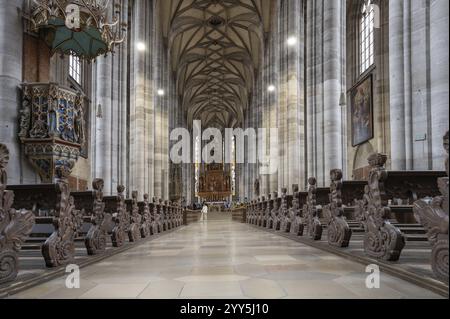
column 362, row 112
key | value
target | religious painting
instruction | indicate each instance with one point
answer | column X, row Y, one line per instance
column 362, row 112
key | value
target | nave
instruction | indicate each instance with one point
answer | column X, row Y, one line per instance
column 194, row 261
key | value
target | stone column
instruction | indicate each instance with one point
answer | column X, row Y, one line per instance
column 397, row 82
column 11, row 44
column 333, row 63
column 103, row 158
column 295, row 105
column 439, row 51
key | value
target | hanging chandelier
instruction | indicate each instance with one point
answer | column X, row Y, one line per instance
column 85, row 28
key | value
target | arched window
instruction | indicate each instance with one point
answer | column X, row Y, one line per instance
column 75, row 68
column 366, row 36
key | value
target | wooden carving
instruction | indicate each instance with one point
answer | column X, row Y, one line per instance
column 15, row 226
column 134, row 229
column 156, row 227
column 338, row 231
column 146, row 225
column 297, row 222
column 120, row 218
column 283, row 216
column 311, row 212
column 257, row 207
column 249, row 212
column 59, row 248
column 96, row 238
column 268, row 211
column 433, row 215
column 159, row 216
column 382, row 240
column 274, row 212
column 164, row 214
column 262, row 216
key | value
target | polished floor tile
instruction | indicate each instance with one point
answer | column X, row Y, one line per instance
column 223, row 259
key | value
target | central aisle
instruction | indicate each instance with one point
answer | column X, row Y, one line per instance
column 224, row 259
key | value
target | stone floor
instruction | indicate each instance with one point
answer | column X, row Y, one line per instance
column 227, row 260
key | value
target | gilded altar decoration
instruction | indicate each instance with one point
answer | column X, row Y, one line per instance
column 432, row 213
column 52, row 127
column 382, row 240
column 214, row 183
column 339, row 232
column 79, row 27
column 15, row 226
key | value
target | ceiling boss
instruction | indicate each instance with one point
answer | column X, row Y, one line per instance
column 85, row 28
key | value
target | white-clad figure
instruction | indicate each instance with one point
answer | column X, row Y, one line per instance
column 204, row 216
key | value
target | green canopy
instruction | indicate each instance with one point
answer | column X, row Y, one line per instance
column 87, row 43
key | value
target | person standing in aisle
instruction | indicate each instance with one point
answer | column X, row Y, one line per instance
column 204, row 216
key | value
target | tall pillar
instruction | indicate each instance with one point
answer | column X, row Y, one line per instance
column 333, row 62
column 11, row 42
column 397, row 82
column 439, row 51
column 103, row 158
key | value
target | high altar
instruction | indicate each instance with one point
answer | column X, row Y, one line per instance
column 214, row 183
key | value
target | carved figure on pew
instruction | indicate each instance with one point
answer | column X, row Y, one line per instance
column 274, row 212
column 283, row 216
column 382, row 240
column 433, row 215
column 155, row 225
column 159, row 216
column 96, row 238
column 297, row 223
column 59, row 248
column 146, row 225
column 262, row 215
column 121, row 219
column 134, row 229
column 338, row 231
column 312, row 213
column 268, row 211
column 15, row 225
column 249, row 212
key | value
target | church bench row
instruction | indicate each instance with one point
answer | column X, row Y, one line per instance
column 51, row 221
column 391, row 210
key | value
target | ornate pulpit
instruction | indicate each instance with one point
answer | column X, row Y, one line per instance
column 52, row 127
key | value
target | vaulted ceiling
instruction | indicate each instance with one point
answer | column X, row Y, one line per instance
column 216, row 48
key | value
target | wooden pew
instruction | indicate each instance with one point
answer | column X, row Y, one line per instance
column 382, row 219
column 285, row 214
column 338, row 230
column 158, row 217
column 298, row 219
column 146, row 217
column 96, row 221
column 57, row 222
column 15, row 225
column 134, row 225
column 260, row 213
column 268, row 207
column 251, row 212
column 317, row 198
column 272, row 220
column 432, row 213
column 115, row 205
